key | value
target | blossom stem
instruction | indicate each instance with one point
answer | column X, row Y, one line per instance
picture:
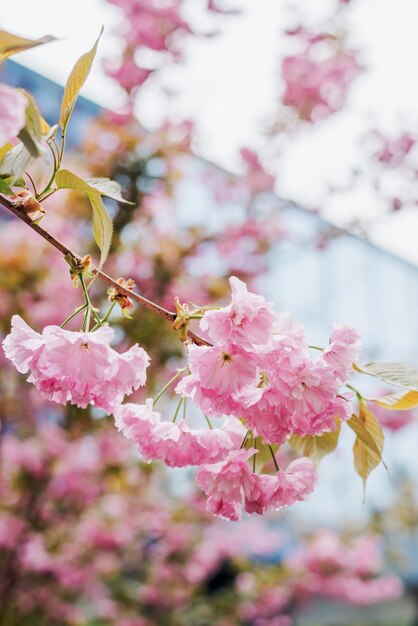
column 86, row 321
column 244, row 441
column 209, row 423
column 254, row 456
column 89, row 306
column 316, row 348
column 276, row 465
column 177, row 410
column 76, row 312
column 61, row 247
column 356, row 391
column 167, row 385
column 106, row 317
column 32, row 183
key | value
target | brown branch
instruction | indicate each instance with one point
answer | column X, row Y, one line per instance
column 61, row 247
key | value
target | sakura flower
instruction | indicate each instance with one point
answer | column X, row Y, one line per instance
column 343, row 350
column 217, row 374
column 176, row 444
column 226, row 482
column 80, row 368
column 295, row 394
column 247, row 320
column 12, row 113
column 284, row 488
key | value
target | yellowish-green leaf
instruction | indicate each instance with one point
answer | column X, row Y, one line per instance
column 398, row 401
column 396, row 374
column 15, row 162
column 368, row 446
column 31, row 134
column 5, row 188
column 315, row 447
column 7, row 183
column 75, row 82
column 109, row 188
column 4, row 149
column 12, row 44
column 102, row 224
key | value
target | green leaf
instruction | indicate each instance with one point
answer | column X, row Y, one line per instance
column 398, row 401
column 12, row 44
column 4, row 187
column 316, row 447
column 368, row 445
column 109, row 188
column 31, row 134
column 15, row 162
column 75, row 82
column 102, row 224
column 396, row 374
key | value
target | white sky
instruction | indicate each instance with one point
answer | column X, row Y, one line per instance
column 229, row 85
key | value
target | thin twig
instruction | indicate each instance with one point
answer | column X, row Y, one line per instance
column 61, row 247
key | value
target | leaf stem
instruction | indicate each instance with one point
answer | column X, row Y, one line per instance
column 276, row 465
column 356, row 391
column 209, row 423
column 177, row 410
column 167, row 385
column 76, row 312
column 32, row 183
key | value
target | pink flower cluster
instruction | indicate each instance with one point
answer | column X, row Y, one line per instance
column 258, row 374
column 76, row 367
column 258, row 371
column 176, row 444
column 259, row 368
column 228, row 482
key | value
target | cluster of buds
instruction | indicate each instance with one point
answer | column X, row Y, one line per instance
column 122, row 299
column 79, row 267
column 184, row 315
column 25, row 200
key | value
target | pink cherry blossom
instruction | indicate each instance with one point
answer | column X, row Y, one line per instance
column 13, row 105
column 226, row 482
column 343, row 350
column 247, row 320
column 176, row 444
column 285, row 488
column 76, row 367
column 217, row 374
column 297, row 395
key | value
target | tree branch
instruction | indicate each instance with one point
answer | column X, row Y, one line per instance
column 19, row 212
